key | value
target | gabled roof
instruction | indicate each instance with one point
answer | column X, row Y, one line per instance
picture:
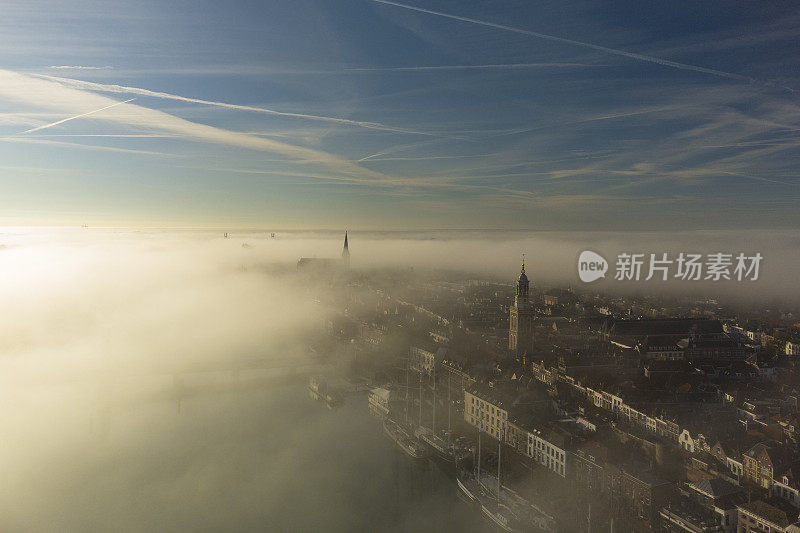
column 777, row 512
column 779, row 456
column 715, row 488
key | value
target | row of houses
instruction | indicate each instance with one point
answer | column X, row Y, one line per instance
column 522, row 419
column 614, row 403
column 770, row 466
column 713, row 505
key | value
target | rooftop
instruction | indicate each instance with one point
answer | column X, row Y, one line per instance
column 772, row 510
column 715, row 488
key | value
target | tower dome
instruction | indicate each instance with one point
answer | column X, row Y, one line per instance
column 522, row 275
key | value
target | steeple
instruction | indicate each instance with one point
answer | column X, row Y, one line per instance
column 523, row 286
column 346, row 252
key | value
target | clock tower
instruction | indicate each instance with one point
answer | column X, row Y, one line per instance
column 520, row 324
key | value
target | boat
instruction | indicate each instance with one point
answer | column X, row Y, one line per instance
column 447, row 450
column 316, row 388
column 444, row 448
column 410, row 445
column 393, row 430
column 332, row 400
column 500, row 515
column 469, row 487
column 475, row 486
column 477, row 494
column 413, row 448
column 319, row 390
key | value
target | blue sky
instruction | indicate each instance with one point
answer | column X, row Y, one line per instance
column 427, row 114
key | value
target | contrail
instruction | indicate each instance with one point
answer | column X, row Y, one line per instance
column 76, row 116
column 91, row 86
column 613, row 51
column 36, row 91
column 472, row 67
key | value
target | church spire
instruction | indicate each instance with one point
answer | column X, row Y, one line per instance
column 522, row 286
column 346, row 251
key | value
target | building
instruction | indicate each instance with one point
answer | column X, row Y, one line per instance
column 721, row 499
column 641, row 494
column 487, row 410
column 792, row 348
column 715, row 350
column 661, row 347
column 315, row 264
column 689, row 517
column 629, row 333
column 761, row 462
column 455, row 376
column 627, row 490
column 425, row 360
column 587, row 471
column 785, row 486
column 550, row 447
column 520, row 326
column 767, row 516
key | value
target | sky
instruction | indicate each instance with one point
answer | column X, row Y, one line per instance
column 370, row 114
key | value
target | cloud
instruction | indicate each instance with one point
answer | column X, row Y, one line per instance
column 50, row 94
column 78, row 67
column 97, row 348
column 605, row 49
column 91, row 86
column 147, row 380
column 111, row 135
column 92, row 147
column 422, row 158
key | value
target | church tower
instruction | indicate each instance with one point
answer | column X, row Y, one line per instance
column 520, row 324
column 346, row 253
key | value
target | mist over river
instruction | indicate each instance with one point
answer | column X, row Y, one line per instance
column 261, row 459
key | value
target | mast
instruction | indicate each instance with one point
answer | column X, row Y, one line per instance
column 407, row 365
column 589, row 519
column 420, row 397
column 499, row 446
column 449, row 429
column 479, row 456
column 433, row 408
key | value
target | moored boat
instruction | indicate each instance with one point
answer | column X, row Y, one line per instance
column 493, row 511
column 410, row 445
column 448, row 451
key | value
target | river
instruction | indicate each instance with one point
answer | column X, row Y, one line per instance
column 252, row 459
